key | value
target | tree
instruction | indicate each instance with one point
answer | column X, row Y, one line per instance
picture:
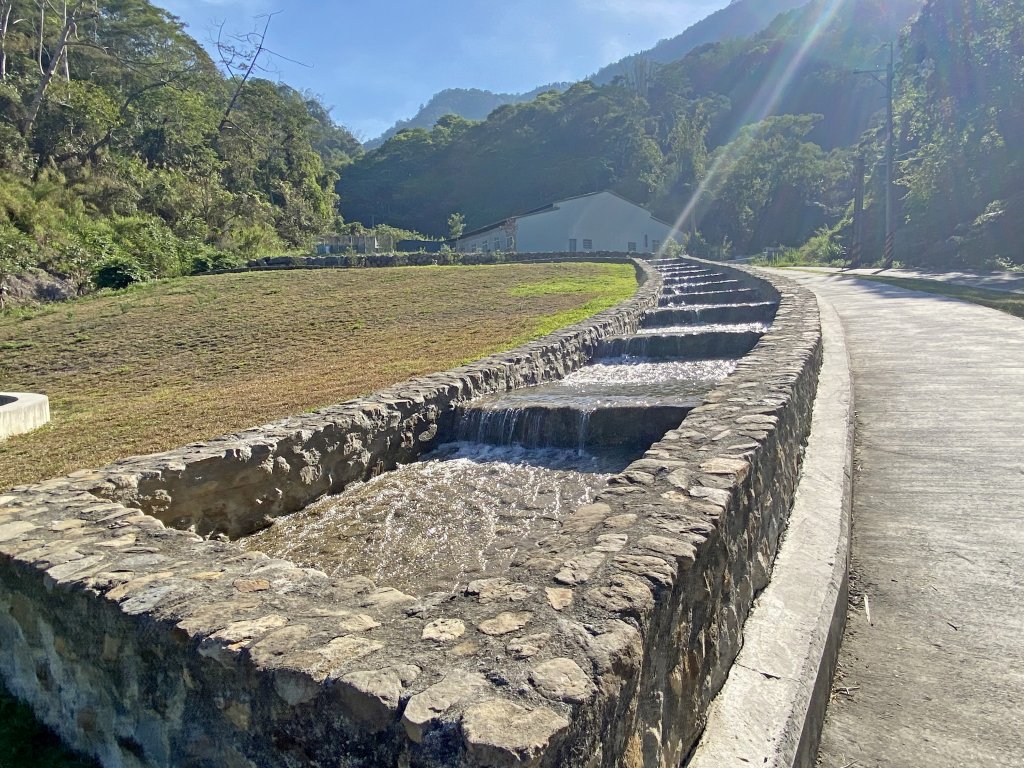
column 456, row 226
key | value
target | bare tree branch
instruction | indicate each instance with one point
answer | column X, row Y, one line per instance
column 258, row 39
column 6, row 6
column 28, row 123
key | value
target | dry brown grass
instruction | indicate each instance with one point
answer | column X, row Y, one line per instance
column 165, row 364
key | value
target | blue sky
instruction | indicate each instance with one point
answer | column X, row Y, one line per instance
column 376, row 62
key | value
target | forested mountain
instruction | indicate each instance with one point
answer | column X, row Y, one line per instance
column 960, row 118
column 470, row 103
column 654, row 137
column 741, row 18
column 123, row 147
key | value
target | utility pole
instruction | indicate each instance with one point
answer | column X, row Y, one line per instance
column 890, row 160
column 890, row 151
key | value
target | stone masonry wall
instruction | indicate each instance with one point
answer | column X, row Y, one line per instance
column 146, row 644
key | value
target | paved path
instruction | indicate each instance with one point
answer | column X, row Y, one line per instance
column 1012, row 282
column 937, row 679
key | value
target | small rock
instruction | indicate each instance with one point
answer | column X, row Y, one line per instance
column 580, row 569
column 251, row 585
column 560, row 598
column 426, row 707
column 358, row 622
column 563, row 680
column 504, row 623
column 373, row 696
column 680, row 550
column 586, row 517
column 620, row 521
column 444, row 630
column 494, row 590
column 491, row 741
column 611, row 542
column 528, row 646
column 721, row 466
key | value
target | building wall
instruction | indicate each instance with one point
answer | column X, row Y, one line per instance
column 496, row 239
column 602, row 222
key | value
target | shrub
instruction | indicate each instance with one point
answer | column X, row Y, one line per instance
column 119, row 272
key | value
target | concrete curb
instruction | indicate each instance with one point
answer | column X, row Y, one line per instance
column 22, row 412
column 771, row 710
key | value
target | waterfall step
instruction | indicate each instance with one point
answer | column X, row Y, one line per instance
column 723, row 313
column 742, row 295
column 702, row 274
column 690, row 346
column 564, row 424
column 701, row 286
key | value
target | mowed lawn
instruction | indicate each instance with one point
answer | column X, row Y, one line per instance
column 164, row 364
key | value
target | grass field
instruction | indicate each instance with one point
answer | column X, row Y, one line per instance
column 164, row 364
column 161, row 365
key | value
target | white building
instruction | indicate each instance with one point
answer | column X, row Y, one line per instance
column 601, row 221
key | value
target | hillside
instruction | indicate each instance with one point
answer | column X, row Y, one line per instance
column 125, row 153
column 741, row 18
column 654, row 141
column 470, row 103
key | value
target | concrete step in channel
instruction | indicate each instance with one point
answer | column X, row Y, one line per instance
column 740, row 296
column 583, row 425
column 691, row 276
column 761, row 312
column 681, row 346
column 701, row 286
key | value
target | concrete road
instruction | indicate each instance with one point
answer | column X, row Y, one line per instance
column 935, row 678
column 1011, row 282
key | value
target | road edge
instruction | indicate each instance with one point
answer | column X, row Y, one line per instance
column 772, row 708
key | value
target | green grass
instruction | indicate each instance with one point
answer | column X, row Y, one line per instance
column 163, row 364
column 1010, row 303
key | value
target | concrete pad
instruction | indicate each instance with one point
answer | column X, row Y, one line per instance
column 771, row 710
column 22, row 412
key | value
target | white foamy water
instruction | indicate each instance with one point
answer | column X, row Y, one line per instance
column 648, row 379
column 691, row 330
column 460, row 513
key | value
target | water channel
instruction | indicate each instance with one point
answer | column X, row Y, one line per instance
column 521, row 461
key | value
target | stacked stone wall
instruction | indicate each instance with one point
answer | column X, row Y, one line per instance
column 146, row 643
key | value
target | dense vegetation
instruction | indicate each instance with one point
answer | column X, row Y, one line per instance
column 125, row 152
column 740, row 18
column 961, row 134
column 657, row 135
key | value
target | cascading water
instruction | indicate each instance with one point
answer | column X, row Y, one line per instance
column 525, row 458
column 462, row 512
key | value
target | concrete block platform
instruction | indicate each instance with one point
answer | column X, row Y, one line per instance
column 21, row 412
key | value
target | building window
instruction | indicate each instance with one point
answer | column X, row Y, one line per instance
column 646, row 244
column 588, row 245
column 497, row 244
column 631, row 247
column 510, row 243
column 572, row 246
